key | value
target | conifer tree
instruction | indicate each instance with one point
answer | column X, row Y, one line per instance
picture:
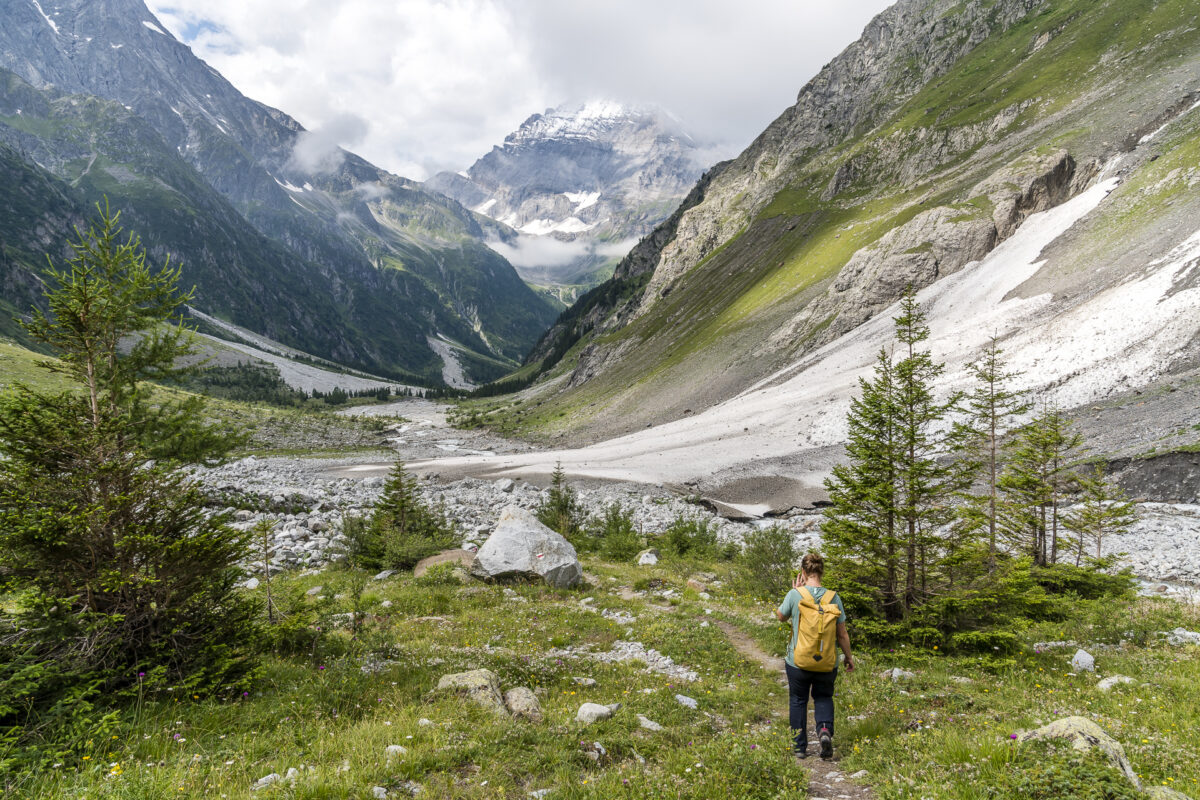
column 861, row 527
column 991, row 408
column 897, row 487
column 926, row 481
column 1103, row 511
column 118, row 566
column 403, row 528
column 1034, row 483
column 560, row 510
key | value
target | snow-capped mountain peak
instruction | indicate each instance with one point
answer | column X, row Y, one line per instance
column 582, row 174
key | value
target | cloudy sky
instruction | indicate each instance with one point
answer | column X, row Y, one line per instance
column 421, row 85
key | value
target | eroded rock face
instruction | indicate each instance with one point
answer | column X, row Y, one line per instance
column 479, row 685
column 932, row 245
column 1084, row 735
column 522, row 548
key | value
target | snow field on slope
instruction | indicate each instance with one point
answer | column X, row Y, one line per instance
column 1119, row 338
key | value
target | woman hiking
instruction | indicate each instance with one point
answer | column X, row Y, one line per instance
column 817, row 616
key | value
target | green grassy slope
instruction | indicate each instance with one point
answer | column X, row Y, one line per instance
column 331, row 706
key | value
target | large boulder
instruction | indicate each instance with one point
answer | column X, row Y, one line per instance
column 522, row 547
column 479, row 685
column 1084, row 735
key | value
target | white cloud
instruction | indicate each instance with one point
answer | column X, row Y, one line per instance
column 540, row 252
column 441, row 81
column 320, row 150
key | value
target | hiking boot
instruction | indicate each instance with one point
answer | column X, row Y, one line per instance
column 801, row 754
column 826, row 744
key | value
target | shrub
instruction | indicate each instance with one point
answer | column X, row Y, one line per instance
column 402, row 530
column 1051, row 771
column 1092, row 582
column 560, row 510
column 615, row 535
column 768, row 558
column 690, row 536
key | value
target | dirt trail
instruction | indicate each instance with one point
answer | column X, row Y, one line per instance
column 826, row 781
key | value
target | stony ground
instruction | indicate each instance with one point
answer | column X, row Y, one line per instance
column 1163, row 548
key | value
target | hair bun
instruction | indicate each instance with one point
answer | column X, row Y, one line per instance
column 812, row 564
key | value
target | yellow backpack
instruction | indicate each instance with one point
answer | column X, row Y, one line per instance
column 816, row 632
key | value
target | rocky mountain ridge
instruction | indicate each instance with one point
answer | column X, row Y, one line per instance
column 355, row 243
column 920, row 150
column 593, row 177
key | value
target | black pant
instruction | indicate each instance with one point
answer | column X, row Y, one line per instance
column 800, row 683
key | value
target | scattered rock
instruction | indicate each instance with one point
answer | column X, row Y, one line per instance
column 424, row 723
column 383, row 576
column 684, row 700
column 1112, row 680
column 386, row 604
column 314, row 591
column 1083, row 734
column 897, row 674
column 1083, row 661
column 862, row 773
column 462, row 558
column 394, row 750
column 1183, row 636
column 648, row 723
column 635, row 651
column 522, row 547
column 594, row 712
column 647, row 558
column 585, row 681
column 480, row 685
column 251, row 584
column 265, row 781
column 961, row 680
column 696, row 585
column 379, row 792
column 505, row 485
column 523, row 704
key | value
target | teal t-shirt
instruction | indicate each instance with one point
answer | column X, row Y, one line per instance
column 789, row 610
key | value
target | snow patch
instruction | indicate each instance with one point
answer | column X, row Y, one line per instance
column 483, row 208
column 116, row 46
column 582, row 200
column 154, row 27
column 308, row 187
column 541, row 227
column 1149, row 136
column 291, row 187
column 53, row 25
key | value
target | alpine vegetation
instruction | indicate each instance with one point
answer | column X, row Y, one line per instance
column 946, row 520
column 120, row 582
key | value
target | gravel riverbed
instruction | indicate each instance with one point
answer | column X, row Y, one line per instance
column 1163, row 547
